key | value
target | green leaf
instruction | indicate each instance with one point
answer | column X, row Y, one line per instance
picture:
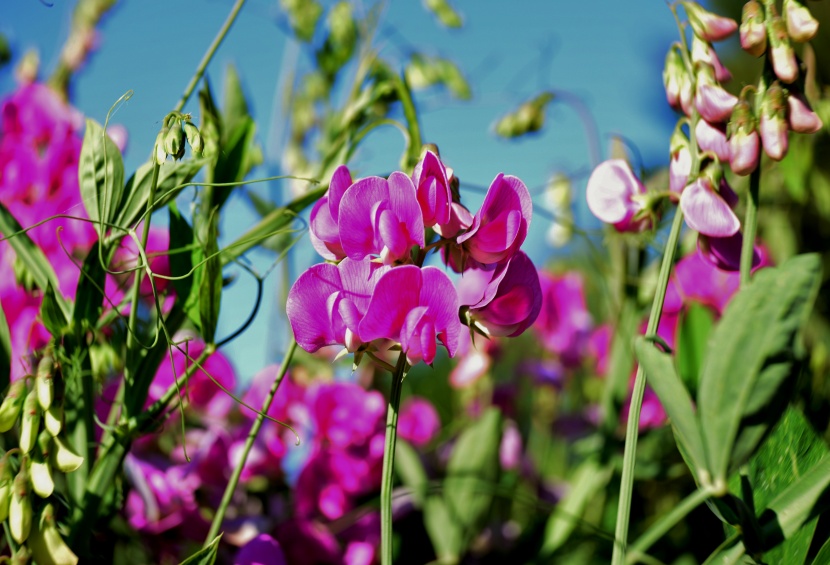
column 411, row 471
column 588, row 479
column 341, row 41
column 473, row 471
column 236, row 158
column 89, row 295
column 206, row 555
column 444, row 530
column 100, row 175
column 234, row 105
column 210, row 288
column 823, row 555
column 444, row 12
column 692, row 339
column 303, row 15
column 752, row 351
column 796, row 166
column 5, row 350
column 51, row 314
column 677, row 402
column 182, row 258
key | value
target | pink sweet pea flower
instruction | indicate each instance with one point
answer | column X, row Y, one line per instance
column 418, row 422
column 327, row 302
column 381, row 217
column 564, row 323
column 703, row 52
column 262, row 550
column 414, row 307
column 499, row 228
column 324, row 229
column 711, row 100
column 753, row 31
column 712, row 138
column 432, row 186
column 707, row 25
column 345, row 414
column 707, row 211
column 616, row 196
column 504, row 299
column 800, row 116
column 510, row 448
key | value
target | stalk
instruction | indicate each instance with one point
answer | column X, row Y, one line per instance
column 750, row 225
column 389, row 461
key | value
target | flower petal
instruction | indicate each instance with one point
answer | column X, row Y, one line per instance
column 706, row 212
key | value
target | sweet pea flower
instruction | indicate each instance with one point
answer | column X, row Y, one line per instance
column 345, row 414
column 703, row 52
column 712, row 138
column 801, row 25
column 327, row 302
column 744, row 143
column 782, row 55
column 676, row 79
column 499, row 228
column 503, row 299
column 707, row 210
column 432, row 186
column 711, row 100
column 707, row 25
column 414, row 307
column 564, row 323
column 753, row 31
column 418, row 422
column 773, row 123
column 324, row 230
column 510, row 447
column 616, row 196
column 800, row 116
column 381, row 217
column 725, row 252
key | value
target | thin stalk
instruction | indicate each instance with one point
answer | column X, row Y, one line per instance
column 249, row 442
column 666, row 523
column 389, row 461
column 627, row 480
column 750, row 225
column 200, row 70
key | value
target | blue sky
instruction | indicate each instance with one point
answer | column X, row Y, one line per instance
column 608, row 53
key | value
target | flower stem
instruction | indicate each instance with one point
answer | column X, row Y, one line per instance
column 389, row 461
column 750, row 225
column 627, row 480
column 249, row 442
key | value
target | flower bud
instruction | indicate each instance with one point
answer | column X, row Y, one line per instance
column 10, row 408
column 703, row 52
column 801, row 25
column 712, row 138
column 40, row 472
column 781, row 51
column 801, row 117
column 44, row 385
column 63, row 457
column 773, row 122
column 743, row 140
column 680, row 165
column 159, row 154
column 712, row 102
column 53, row 419
column 174, row 141
column 194, row 138
column 753, row 30
column 707, row 25
column 29, row 422
column 20, row 507
column 675, row 77
column 46, row 543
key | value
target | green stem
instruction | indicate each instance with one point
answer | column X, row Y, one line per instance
column 389, row 461
column 627, row 480
column 750, row 225
column 249, row 442
column 666, row 523
column 200, row 70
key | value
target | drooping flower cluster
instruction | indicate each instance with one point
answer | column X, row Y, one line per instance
column 379, row 292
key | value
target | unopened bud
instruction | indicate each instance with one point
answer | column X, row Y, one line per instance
column 675, row 77
column 63, row 457
column 753, row 30
column 40, row 475
column 159, row 154
column 712, row 102
column 6, row 484
column 21, row 557
column 174, row 141
column 707, row 25
column 44, row 385
column 194, row 138
column 29, row 422
column 744, row 145
column 781, row 51
column 712, row 138
column 10, row 408
column 20, row 507
column 801, row 117
column 773, row 122
column 680, row 164
column 703, row 52
column 53, row 419
column 801, row 25
column 46, row 543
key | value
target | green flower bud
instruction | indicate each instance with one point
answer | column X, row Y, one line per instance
column 194, row 138
column 46, row 543
column 10, row 408
column 174, row 141
column 53, row 419
column 20, row 507
column 159, row 154
column 40, row 471
column 44, row 385
column 63, row 457
column 29, row 422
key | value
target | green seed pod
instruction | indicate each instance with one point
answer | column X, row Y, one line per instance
column 29, row 422
column 10, row 408
column 44, row 384
column 159, row 154
column 40, row 471
column 63, row 457
column 53, row 419
column 20, row 508
column 46, row 543
column 174, row 141
column 194, row 138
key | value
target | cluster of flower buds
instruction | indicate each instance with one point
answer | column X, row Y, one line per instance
column 35, row 405
column 762, row 26
column 375, row 230
column 171, row 139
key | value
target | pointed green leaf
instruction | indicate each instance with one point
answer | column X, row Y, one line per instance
column 692, row 339
column 51, row 313
column 100, row 175
column 443, row 529
column 210, row 289
column 752, row 351
column 234, row 105
column 236, row 158
column 411, row 471
column 663, row 378
column 89, row 296
column 823, row 555
column 182, row 258
column 206, row 555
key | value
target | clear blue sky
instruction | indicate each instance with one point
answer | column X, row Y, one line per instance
column 607, row 52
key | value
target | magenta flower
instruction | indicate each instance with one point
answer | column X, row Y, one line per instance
column 707, row 25
column 324, row 229
column 418, row 422
column 680, row 165
column 510, row 447
column 414, row 307
column 564, row 323
column 345, row 414
column 499, row 228
column 616, row 196
column 708, row 211
column 725, row 252
column 711, row 100
column 503, row 299
column 380, row 217
column 327, row 302
column 432, row 186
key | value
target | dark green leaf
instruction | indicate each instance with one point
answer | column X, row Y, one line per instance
column 692, row 339
column 823, row 555
column 236, row 158
column 100, row 175
column 184, row 255
column 411, row 471
column 751, row 352
column 51, row 314
column 444, row 12
column 206, row 555
column 234, row 106
column 90, row 291
column 210, row 288
column 662, row 377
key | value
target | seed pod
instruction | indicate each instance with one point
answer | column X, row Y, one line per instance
column 29, row 422
column 40, row 471
column 46, row 543
column 53, row 419
column 63, row 457
column 20, row 508
column 10, row 408
column 44, row 384
column 194, row 138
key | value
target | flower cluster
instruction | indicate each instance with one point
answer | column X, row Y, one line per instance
column 374, row 290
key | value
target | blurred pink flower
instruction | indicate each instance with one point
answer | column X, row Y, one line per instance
column 418, row 421
column 616, row 196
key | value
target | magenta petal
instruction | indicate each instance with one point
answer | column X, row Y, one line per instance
column 397, row 292
column 479, row 283
column 433, row 188
column 308, row 309
column 714, row 103
column 404, row 203
column 341, row 180
column 439, row 294
column 706, row 212
column 324, row 233
column 262, row 550
column 359, row 279
column 493, row 240
column 725, row 252
column 713, row 138
column 356, row 230
column 518, row 300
